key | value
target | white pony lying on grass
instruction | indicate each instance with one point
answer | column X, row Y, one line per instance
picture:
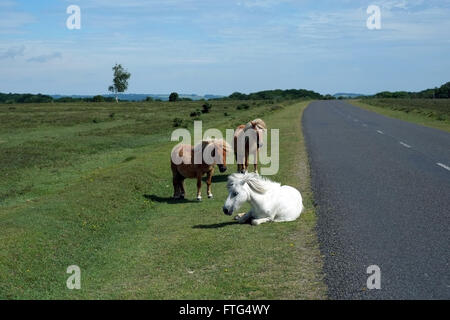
column 270, row 201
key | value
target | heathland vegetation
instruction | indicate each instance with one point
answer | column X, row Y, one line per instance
column 89, row 184
column 429, row 112
column 429, row 107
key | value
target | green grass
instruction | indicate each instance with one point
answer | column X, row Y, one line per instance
column 90, row 184
column 433, row 113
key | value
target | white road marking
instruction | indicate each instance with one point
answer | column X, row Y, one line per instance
column 405, row 145
column 443, row 166
column 380, row 132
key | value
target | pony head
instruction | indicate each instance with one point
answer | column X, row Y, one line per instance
column 241, row 187
column 237, row 193
column 217, row 149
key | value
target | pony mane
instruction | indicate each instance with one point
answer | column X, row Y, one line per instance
column 257, row 183
column 219, row 143
column 259, row 124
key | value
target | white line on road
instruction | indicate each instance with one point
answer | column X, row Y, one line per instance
column 380, row 132
column 443, row 166
column 405, row 145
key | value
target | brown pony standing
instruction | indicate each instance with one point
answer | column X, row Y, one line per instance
column 217, row 148
column 251, row 147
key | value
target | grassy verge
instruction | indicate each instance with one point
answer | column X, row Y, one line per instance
column 90, row 185
column 433, row 113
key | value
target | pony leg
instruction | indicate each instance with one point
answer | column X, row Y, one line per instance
column 243, row 217
column 240, row 164
column 176, row 189
column 236, row 159
column 256, row 222
column 182, row 192
column 199, row 187
column 255, row 165
column 246, row 162
column 208, row 183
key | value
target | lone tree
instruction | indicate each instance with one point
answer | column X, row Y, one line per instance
column 120, row 80
column 174, row 97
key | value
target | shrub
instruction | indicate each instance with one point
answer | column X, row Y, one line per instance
column 149, row 99
column 98, row 99
column 196, row 113
column 329, row 97
column 243, row 106
column 174, row 97
column 206, row 107
column 177, row 122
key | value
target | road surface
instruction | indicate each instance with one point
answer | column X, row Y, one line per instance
column 382, row 191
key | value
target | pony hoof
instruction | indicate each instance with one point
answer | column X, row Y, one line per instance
column 210, row 196
column 199, row 198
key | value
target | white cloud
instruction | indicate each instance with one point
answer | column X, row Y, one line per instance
column 45, row 57
column 13, row 52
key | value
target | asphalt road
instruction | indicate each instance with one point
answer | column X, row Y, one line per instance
column 382, row 191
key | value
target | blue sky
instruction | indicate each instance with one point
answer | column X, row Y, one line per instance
column 218, row 47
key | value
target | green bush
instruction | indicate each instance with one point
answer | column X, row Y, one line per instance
column 196, row 113
column 243, row 106
column 177, row 122
column 98, row 99
column 206, row 107
column 174, row 97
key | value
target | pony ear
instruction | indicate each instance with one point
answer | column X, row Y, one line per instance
column 253, row 124
column 213, row 153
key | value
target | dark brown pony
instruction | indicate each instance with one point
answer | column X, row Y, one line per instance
column 251, row 145
column 185, row 167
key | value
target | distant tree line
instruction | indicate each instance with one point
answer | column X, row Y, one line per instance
column 443, row 92
column 10, row 98
column 277, row 94
column 24, row 98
